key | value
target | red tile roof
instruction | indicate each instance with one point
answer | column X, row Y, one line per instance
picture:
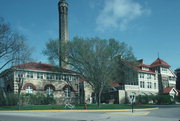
column 114, row 84
column 167, row 90
column 42, row 67
column 159, row 62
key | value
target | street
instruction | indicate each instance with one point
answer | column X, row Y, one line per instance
column 164, row 113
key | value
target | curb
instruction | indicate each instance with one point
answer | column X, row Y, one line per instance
column 105, row 110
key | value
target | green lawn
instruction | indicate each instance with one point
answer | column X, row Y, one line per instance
column 79, row 106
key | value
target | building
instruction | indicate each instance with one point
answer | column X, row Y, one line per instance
column 172, row 91
column 147, row 82
column 166, row 75
column 151, row 80
column 41, row 78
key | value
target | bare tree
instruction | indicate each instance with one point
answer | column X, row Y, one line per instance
column 11, row 45
column 13, row 49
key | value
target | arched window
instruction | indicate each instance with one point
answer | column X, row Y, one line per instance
column 29, row 90
column 67, row 91
column 49, row 89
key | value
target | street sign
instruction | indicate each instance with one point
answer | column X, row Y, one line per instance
column 132, row 98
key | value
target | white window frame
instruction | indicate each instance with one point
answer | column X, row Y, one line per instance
column 49, row 90
column 40, row 75
column 30, row 74
column 141, row 75
column 67, row 92
column 29, row 89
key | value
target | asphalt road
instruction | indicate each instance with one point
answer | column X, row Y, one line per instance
column 164, row 113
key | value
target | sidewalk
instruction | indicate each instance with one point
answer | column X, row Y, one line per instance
column 102, row 110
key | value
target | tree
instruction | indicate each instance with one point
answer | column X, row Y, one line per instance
column 12, row 45
column 94, row 59
column 13, row 49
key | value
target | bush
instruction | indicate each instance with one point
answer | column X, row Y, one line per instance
column 177, row 98
column 12, row 99
column 2, row 98
column 143, row 99
column 40, row 99
column 49, row 100
column 155, row 99
column 165, row 99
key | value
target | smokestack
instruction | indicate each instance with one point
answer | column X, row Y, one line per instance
column 63, row 30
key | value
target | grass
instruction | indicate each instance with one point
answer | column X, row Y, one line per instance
column 77, row 107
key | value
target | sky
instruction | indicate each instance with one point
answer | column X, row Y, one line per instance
column 150, row 27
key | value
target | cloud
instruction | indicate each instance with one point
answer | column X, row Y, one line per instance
column 117, row 14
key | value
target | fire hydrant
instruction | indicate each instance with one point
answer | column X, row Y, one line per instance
column 85, row 106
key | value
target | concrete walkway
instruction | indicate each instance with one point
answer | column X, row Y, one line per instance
column 98, row 110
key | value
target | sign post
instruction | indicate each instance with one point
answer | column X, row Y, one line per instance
column 132, row 100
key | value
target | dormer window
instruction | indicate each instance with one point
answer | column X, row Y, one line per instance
column 145, row 68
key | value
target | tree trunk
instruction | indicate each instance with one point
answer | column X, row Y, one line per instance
column 99, row 97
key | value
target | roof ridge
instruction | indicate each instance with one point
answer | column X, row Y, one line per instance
column 159, row 62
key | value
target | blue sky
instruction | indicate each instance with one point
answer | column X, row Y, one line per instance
column 148, row 26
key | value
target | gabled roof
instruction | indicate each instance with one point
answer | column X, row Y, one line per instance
column 42, row 67
column 168, row 89
column 159, row 62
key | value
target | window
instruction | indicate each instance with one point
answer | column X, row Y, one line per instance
column 50, row 76
column 149, row 85
column 39, row 75
column 155, row 86
column 145, row 68
column 164, row 69
column 74, row 78
column 49, row 90
column 67, row 91
column 20, row 74
column 148, row 76
column 172, row 78
column 29, row 90
column 66, row 78
column 154, row 77
column 29, row 74
column 58, row 77
column 142, row 84
column 141, row 75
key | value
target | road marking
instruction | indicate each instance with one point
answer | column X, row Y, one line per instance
column 134, row 114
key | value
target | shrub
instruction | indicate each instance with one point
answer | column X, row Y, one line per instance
column 155, row 99
column 177, row 98
column 49, row 100
column 11, row 99
column 2, row 98
column 41, row 99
